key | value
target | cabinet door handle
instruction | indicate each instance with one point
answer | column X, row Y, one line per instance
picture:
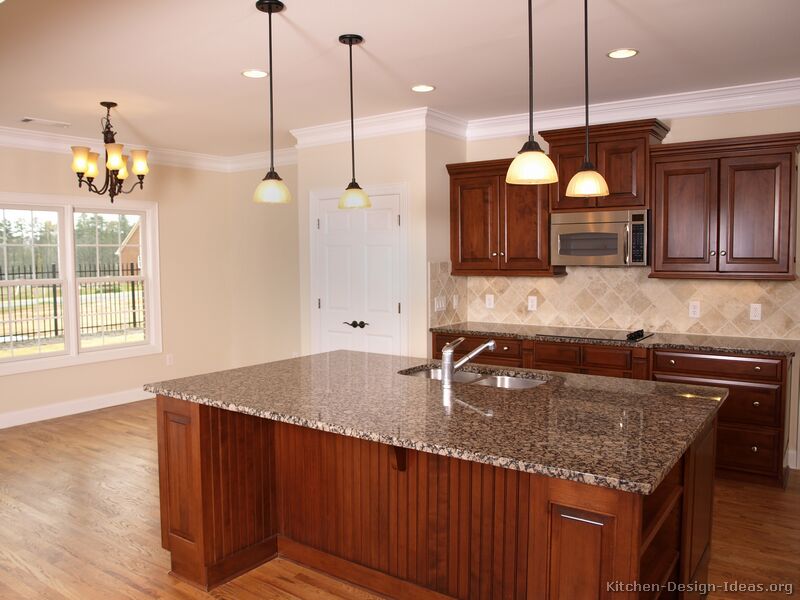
column 754, row 449
column 502, row 254
column 494, row 253
column 505, row 348
column 756, row 403
column 758, row 368
column 713, row 253
column 723, row 253
column 672, row 361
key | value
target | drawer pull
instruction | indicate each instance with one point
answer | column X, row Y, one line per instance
column 754, row 449
column 505, row 348
column 758, row 368
column 756, row 403
column 672, row 361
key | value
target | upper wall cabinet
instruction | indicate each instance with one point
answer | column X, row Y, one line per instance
column 620, row 151
column 497, row 228
column 725, row 209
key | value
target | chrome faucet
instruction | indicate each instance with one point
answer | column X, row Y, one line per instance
column 449, row 367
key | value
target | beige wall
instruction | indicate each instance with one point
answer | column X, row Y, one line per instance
column 215, row 314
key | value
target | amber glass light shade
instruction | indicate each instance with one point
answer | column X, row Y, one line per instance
column 123, row 171
column 587, row 183
column 114, row 159
column 531, row 167
column 139, row 158
column 80, row 159
column 272, row 190
column 354, row 197
column 91, row 165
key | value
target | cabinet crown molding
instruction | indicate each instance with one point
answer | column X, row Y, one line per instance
column 789, row 142
column 653, row 127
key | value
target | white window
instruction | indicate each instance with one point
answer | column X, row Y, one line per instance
column 78, row 281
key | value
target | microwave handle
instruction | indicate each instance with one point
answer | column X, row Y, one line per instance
column 627, row 235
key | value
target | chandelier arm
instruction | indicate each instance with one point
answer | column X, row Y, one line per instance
column 139, row 184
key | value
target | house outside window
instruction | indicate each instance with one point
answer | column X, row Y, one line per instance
column 78, row 281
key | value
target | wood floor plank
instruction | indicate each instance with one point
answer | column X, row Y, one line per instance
column 80, row 520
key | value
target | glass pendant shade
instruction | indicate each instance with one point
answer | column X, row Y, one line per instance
column 122, row 175
column 91, row 165
column 272, row 190
column 114, row 159
column 140, row 166
column 80, row 159
column 587, row 183
column 531, row 167
column 354, row 197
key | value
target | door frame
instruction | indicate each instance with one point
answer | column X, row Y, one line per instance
column 315, row 196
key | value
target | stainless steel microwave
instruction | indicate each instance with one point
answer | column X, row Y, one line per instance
column 616, row 238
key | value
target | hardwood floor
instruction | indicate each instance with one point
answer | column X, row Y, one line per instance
column 79, row 520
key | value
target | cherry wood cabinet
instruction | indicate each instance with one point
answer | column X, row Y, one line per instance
column 497, row 228
column 620, row 152
column 725, row 209
column 753, row 423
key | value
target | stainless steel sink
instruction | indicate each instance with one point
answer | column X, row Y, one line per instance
column 508, row 383
column 458, row 376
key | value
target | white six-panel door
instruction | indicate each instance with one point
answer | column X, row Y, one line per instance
column 358, row 275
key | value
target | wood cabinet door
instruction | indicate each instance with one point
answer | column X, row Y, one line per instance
column 685, row 214
column 755, row 214
column 474, row 210
column 623, row 164
column 524, row 227
column 568, row 160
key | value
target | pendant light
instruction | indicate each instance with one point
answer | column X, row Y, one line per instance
column 354, row 196
column 587, row 182
column 531, row 166
column 272, row 190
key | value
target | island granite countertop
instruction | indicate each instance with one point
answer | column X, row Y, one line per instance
column 661, row 341
column 616, row 433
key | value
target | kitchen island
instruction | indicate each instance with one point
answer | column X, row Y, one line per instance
column 575, row 488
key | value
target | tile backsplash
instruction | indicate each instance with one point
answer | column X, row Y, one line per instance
column 624, row 298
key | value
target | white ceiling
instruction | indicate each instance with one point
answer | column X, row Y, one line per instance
column 174, row 66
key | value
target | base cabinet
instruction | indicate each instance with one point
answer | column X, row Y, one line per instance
column 237, row 490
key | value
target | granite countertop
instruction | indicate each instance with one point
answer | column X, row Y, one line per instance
column 663, row 341
column 616, row 433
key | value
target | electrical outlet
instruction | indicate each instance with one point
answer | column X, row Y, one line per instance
column 489, row 298
column 169, row 359
column 533, row 303
column 755, row 312
column 455, row 301
column 439, row 303
column 694, row 309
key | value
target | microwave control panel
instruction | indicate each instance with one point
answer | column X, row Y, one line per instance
column 638, row 239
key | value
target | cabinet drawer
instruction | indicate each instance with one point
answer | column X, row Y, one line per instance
column 748, row 449
column 556, row 353
column 747, row 403
column 505, row 348
column 606, row 357
column 718, row 365
column 607, row 373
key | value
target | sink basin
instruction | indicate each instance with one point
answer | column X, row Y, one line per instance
column 509, row 383
column 458, row 376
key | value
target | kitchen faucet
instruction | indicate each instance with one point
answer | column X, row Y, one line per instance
column 449, row 367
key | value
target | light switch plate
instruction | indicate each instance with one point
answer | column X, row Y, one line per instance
column 455, row 301
column 489, row 298
column 533, row 303
column 755, row 312
column 694, row 309
column 439, row 303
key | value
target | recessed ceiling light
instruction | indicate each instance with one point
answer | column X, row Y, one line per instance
column 423, row 88
column 623, row 53
column 254, row 74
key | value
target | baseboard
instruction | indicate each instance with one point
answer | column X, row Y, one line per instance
column 72, row 407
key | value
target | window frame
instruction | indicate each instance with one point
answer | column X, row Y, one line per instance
column 72, row 355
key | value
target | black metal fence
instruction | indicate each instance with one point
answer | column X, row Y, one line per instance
column 29, row 310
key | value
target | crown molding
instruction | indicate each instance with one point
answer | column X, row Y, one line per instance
column 25, row 139
column 739, row 98
column 404, row 121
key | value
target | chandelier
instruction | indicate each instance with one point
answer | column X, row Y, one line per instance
column 84, row 163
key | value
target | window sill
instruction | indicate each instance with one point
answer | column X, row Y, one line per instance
column 58, row 361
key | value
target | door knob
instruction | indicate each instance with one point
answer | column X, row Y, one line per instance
column 713, row 253
column 355, row 324
column 756, row 403
column 723, row 253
